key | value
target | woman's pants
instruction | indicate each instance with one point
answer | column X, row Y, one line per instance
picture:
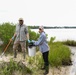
column 45, row 58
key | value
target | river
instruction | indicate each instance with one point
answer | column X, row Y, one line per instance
column 60, row 34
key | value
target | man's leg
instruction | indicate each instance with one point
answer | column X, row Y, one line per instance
column 23, row 46
column 16, row 43
column 46, row 62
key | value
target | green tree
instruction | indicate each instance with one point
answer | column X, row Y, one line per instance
column 6, row 32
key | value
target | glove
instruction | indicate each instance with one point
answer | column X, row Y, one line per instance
column 33, row 41
column 28, row 41
column 13, row 38
column 31, row 44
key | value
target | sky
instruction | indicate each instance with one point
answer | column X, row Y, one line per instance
column 39, row 12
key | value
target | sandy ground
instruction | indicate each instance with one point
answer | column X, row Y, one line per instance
column 65, row 70
column 60, row 71
column 73, row 57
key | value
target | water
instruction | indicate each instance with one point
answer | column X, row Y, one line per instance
column 73, row 58
column 60, row 34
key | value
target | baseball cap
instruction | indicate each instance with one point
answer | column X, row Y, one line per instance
column 41, row 27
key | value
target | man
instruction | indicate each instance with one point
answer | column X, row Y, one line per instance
column 21, row 35
column 42, row 43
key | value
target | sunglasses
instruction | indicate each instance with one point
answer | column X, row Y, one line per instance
column 20, row 20
column 39, row 28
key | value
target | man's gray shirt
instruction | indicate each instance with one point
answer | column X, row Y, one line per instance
column 21, row 31
column 42, row 43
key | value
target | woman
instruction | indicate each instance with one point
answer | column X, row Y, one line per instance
column 43, row 45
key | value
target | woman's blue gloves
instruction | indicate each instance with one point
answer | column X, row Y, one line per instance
column 28, row 41
column 31, row 41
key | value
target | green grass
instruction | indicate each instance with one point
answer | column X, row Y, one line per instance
column 59, row 54
column 69, row 42
column 12, row 67
column 35, row 63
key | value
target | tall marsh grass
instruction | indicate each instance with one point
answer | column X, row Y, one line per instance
column 59, row 54
column 69, row 42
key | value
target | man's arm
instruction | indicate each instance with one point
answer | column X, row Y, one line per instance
column 15, row 34
column 27, row 36
column 27, row 33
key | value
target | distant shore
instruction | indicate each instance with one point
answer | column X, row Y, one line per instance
column 54, row 27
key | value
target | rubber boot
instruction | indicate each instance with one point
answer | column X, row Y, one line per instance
column 15, row 54
column 46, row 70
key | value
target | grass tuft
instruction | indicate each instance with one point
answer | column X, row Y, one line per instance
column 59, row 54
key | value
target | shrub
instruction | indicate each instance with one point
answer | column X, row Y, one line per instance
column 52, row 40
column 69, row 42
column 33, row 35
column 36, row 61
column 59, row 54
column 12, row 67
column 6, row 31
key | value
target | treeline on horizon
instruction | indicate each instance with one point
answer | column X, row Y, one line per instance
column 55, row 27
column 46, row 27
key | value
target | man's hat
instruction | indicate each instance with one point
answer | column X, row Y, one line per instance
column 20, row 19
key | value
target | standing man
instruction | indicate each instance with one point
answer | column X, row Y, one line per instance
column 43, row 45
column 21, row 35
